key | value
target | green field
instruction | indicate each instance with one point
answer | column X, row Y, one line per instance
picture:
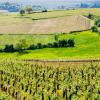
column 36, row 80
column 87, row 45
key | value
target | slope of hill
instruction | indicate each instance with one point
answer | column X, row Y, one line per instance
column 23, row 24
column 87, row 46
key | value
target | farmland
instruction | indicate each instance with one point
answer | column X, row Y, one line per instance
column 87, row 46
column 37, row 74
column 27, row 24
column 27, row 81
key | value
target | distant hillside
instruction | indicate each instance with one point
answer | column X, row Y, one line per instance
column 11, row 7
column 95, row 4
column 15, row 5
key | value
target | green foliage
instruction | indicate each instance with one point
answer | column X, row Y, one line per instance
column 98, row 25
column 71, row 43
column 55, row 45
column 56, row 37
column 9, row 48
column 90, row 16
column 39, row 46
column 31, row 81
column 97, row 22
column 21, row 45
column 49, row 45
column 22, row 12
column 32, row 47
column 63, row 43
column 45, row 10
column 94, row 29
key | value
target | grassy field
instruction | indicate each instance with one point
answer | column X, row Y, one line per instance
column 87, row 43
column 87, row 46
column 24, row 24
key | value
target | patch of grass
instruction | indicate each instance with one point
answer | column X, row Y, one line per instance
column 30, row 39
column 87, row 46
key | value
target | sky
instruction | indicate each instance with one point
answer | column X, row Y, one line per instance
column 49, row 0
column 50, row 3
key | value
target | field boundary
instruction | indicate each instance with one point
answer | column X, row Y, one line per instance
column 83, row 60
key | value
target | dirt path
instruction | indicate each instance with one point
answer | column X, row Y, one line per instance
column 63, row 62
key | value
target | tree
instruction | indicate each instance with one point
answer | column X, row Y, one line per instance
column 21, row 45
column 49, row 45
column 94, row 29
column 32, row 47
column 22, row 12
column 63, row 43
column 90, row 16
column 29, row 10
column 39, row 46
column 97, row 22
column 98, row 25
column 9, row 48
column 44, row 10
column 55, row 45
column 71, row 43
column 56, row 37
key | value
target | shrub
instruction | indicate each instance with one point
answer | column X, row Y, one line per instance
column 90, row 16
column 98, row 25
column 55, row 45
column 9, row 48
column 71, row 43
column 94, row 29
column 44, row 46
column 97, row 22
column 56, row 37
column 49, row 45
column 21, row 45
column 39, row 46
column 63, row 43
column 98, row 32
column 22, row 12
column 32, row 47
column 45, row 10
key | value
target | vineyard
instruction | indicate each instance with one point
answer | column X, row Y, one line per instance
column 23, row 80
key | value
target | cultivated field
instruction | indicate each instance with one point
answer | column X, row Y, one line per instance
column 28, row 81
column 42, row 23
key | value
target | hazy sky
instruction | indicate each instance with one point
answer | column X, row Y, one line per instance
column 50, row 0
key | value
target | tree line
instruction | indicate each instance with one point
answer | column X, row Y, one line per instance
column 22, row 45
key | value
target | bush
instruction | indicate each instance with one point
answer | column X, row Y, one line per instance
column 45, row 10
column 94, row 29
column 44, row 46
column 55, row 45
column 39, row 46
column 63, row 43
column 32, row 47
column 97, row 22
column 98, row 25
column 90, row 16
column 71, row 43
column 9, row 48
column 22, row 12
column 21, row 45
column 98, row 32
column 49, row 45
column 56, row 37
